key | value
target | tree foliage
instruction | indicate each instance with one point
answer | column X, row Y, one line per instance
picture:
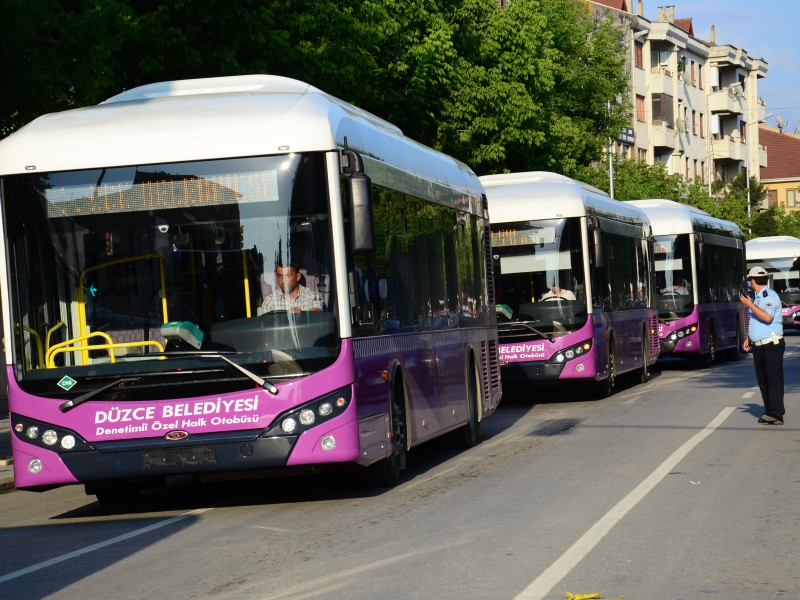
column 634, row 180
column 530, row 86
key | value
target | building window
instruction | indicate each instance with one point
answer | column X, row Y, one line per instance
column 791, row 198
column 640, row 111
column 703, row 171
column 641, row 154
column 694, row 122
column 692, row 73
column 702, row 126
column 662, row 109
column 638, row 49
column 700, row 76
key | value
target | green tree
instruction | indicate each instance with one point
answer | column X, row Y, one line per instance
column 529, row 86
column 57, row 55
column 534, row 93
column 634, row 180
column 788, row 222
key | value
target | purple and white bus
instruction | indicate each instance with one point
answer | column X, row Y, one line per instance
column 700, row 265
column 573, row 281
column 153, row 321
column 780, row 256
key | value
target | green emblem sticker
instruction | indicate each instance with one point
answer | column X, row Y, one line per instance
column 66, row 383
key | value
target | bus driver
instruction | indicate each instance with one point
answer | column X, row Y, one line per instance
column 290, row 295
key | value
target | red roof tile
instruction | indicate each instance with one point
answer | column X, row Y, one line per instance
column 618, row 4
column 783, row 153
column 686, row 25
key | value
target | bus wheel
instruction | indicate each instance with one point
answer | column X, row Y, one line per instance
column 386, row 473
column 708, row 359
column 605, row 388
column 469, row 435
column 735, row 353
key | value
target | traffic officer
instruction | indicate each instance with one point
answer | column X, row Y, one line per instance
column 766, row 340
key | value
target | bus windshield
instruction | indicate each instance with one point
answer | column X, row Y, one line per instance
column 785, row 277
column 149, row 272
column 540, row 284
column 673, row 276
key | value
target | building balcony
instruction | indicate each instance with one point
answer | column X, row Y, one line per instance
column 729, row 148
column 724, row 102
column 660, row 80
column 662, row 134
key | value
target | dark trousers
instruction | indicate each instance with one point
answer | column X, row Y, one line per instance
column 768, row 360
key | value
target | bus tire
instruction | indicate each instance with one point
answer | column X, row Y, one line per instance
column 735, row 353
column 386, row 472
column 645, row 372
column 710, row 357
column 605, row 388
column 469, row 435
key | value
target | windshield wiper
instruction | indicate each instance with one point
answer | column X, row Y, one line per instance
column 70, row 404
column 549, row 337
column 260, row 381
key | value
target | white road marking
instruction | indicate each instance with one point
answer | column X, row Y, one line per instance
column 99, row 545
column 543, row 584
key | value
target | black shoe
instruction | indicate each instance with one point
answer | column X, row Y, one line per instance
column 770, row 420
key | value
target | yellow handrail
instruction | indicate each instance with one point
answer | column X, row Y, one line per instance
column 37, row 338
column 111, row 263
column 57, row 349
column 50, row 334
column 246, row 284
column 84, row 348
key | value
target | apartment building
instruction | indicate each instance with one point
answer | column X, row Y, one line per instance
column 692, row 100
column 782, row 175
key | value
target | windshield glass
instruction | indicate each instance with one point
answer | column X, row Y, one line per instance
column 540, row 283
column 113, row 268
column 785, row 277
column 673, row 276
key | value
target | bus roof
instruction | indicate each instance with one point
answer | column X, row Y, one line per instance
column 199, row 119
column 541, row 195
column 670, row 217
column 775, row 246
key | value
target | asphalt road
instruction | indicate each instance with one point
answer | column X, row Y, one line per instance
column 668, row 490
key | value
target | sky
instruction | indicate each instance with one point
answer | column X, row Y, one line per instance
column 765, row 29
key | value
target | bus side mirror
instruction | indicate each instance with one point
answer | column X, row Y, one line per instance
column 700, row 254
column 358, row 188
column 597, row 243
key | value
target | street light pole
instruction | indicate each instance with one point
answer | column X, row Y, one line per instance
column 747, row 162
column 610, row 161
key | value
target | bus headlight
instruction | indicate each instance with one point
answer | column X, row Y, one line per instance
column 307, row 417
column 34, row 466
column 575, row 351
column 44, row 435
column 328, row 442
column 311, row 414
